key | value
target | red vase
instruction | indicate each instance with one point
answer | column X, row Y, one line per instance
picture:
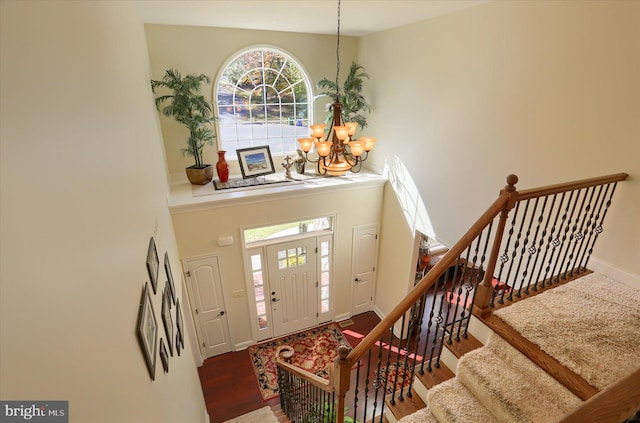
column 222, row 167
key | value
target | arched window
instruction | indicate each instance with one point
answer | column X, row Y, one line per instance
column 263, row 98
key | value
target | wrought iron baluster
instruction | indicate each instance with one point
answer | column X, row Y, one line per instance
column 546, row 218
column 516, row 245
column 399, row 356
column 504, row 257
column 423, row 300
column 587, row 230
column 388, row 365
column 553, row 239
column 571, row 229
column 566, row 222
column 526, row 249
column 450, row 294
column 578, row 234
column 460, row 282
column 599, row 229
column 429, row 324
column 355, row 392
column 594, row 221
column 366, row 387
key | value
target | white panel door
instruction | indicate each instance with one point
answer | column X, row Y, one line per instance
column 365, row 253
column 204, row 278
column 293, row 284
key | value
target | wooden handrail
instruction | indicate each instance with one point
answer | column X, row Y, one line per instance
column 570, row 186
column 430, row 278
column 322, row 383
column 614, row 404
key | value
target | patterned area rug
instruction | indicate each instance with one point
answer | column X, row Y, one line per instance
column 315, row 350
column 391, row 380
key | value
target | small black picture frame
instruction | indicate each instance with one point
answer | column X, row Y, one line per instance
column 164, row 357
column 172, row 286
column 179, row 323
column 153, row 264
column 255, row 161
column 166, row 318
column 147, row 331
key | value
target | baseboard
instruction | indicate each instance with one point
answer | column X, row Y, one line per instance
column 243, row 345
column 341, row 317
column 614, row 272
column 378, row 312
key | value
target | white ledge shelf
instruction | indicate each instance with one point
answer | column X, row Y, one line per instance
column 185, row 198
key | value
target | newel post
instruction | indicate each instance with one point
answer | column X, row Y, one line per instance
column 342, row 381
column 484, row 291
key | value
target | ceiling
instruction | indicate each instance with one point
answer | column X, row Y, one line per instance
column 358, row 17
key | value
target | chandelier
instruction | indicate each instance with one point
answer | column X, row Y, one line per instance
column 338, row 152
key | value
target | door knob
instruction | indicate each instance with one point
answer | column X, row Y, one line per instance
column 275, row 300
column 357, row 279
column 220, row 314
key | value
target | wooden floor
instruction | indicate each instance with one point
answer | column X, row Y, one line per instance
column 229, row 382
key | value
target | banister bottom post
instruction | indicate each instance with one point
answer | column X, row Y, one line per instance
column 342, row 381
column 482, row 300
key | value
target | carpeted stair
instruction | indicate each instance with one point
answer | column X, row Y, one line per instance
column 497, row 383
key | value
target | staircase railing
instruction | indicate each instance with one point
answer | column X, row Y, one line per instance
column 547, row 239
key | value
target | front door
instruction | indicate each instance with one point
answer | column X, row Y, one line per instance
column 293, row 285
column 365, row 253
column 209, row 310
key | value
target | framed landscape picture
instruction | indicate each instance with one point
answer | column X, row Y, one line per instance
column 148, row 331
column 255, row 161
column 153, row 264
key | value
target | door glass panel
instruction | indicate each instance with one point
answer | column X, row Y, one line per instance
column 258, row 283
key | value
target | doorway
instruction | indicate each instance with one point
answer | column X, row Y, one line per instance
column 208, row 307
column 293, row 285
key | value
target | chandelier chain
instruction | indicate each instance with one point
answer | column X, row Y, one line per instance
column 338, row 55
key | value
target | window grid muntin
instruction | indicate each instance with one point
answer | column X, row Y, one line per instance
column 233, row 134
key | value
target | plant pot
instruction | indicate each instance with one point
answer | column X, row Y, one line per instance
column 200, row 175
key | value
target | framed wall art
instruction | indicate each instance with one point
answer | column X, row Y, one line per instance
column 166, row 318
column 148, row 331
column 179, row 323
column 164, row 356
column 255, row 161
column 167, row 269
column 153, row 264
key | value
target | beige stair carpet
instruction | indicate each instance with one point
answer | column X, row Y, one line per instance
column 262, row 415
column 512, row 387
column 451, row 401
column 590, row 325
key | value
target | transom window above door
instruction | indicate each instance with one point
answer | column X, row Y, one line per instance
column 263, row 98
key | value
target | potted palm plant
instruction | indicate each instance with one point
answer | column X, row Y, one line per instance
column 353, row 102
column 188, row 106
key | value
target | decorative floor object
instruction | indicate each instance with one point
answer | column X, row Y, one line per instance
column 315, row 350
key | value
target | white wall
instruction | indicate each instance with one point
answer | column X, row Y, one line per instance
column 83, row 188
column 549, row 91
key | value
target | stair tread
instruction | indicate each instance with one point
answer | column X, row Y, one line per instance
column 451, row 401
column 508, row 397
column 465, row 345
column 406, row 407
column 435, row 376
